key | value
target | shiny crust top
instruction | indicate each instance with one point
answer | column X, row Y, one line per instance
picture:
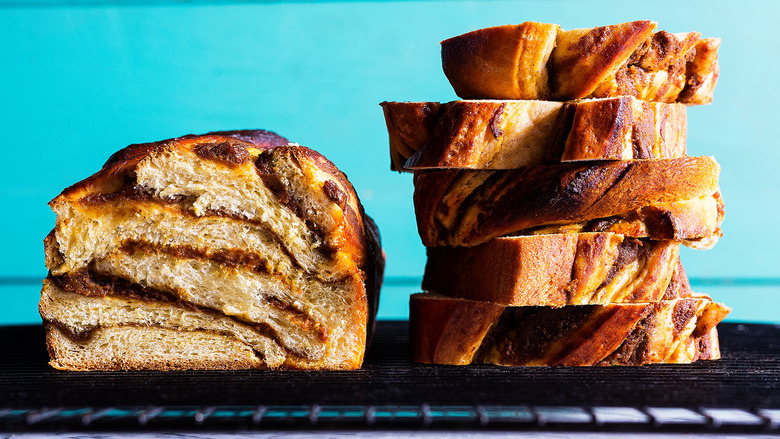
column 121, row 165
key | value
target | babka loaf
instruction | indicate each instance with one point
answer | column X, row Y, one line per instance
column 511, row 134
column 660, row 199
column 557, row 270
column 542, row 61
column 227, row 250
column 446, row 330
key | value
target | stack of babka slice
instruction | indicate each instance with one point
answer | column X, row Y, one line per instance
column 553, row 227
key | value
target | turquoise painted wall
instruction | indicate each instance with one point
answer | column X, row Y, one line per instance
column 82, row 79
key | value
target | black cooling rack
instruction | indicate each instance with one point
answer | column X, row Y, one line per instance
column 741, row 393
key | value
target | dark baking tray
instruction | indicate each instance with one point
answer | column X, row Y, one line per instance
column 740, row 392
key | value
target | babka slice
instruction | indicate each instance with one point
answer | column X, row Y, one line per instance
column 446, row 330
column 660, row 199
column 543, row 61
column 510, row 134
column 557, row 270
column 258, row 246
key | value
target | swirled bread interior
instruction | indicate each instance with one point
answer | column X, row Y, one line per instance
column 238, row 238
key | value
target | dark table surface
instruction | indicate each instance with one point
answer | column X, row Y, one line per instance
column 746, row 379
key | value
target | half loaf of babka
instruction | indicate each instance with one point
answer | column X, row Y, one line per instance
column 542, row 61
column 226, row 250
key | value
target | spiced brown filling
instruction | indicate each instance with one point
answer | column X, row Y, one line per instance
column 179, row 203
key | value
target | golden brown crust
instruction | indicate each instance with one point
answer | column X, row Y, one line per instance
column 449, row 331
column 121, row 165
column 641, row 198
column 514, row 57
column 511, row 134
column 623, row 59
column 409, row 124
column 555, row 270
column 458, row 331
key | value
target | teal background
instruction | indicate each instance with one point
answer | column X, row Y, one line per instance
column 81, row 79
